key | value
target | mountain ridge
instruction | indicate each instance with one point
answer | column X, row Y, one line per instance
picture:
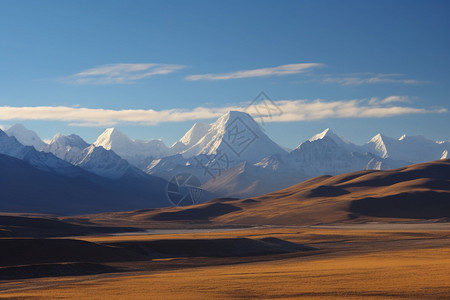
column 234, row 148
column 137, row 152
column 25, row 136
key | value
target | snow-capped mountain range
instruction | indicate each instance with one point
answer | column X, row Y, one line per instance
column 25, row 136
column 97, row 160
column 10, row 146
column 83, row 180
column 408, row 148
column 139, row 153
column 231, row 156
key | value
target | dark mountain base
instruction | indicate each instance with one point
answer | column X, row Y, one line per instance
column 426, row 205
column 199, row 214
column 21, row 226
column 54, row 270
column 33, row 258
column 231, row 247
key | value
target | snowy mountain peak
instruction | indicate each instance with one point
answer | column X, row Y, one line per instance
column 413, row 149
column 195, row 133
column 377, row 137
column 191, row 137
column 25, row 136
column 327, row 132
column 112, row 136
column 114, row 132
column 56, row 137
column 237, row 113
column 414, row 138
column 97, row 160
column 377, row 145
column 10, row 146
column 106, row 163
column 137, row 152
column 18, row 127
column 238, row 136
column 383, row 139
column 231, row 115
column 72, row 140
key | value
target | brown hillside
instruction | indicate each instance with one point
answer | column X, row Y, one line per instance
column 420, row 191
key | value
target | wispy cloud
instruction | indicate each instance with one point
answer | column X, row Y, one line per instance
column 305, row 110
column 367, row 78
column 390, row 99
column 120, row 73
column 293, row 110
column 263, row 72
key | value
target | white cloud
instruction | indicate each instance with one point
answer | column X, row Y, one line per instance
column 120, row 73
column 390, row 99
column 292, row 110
column 367, row 78
column 304, row 110
column 263, row 72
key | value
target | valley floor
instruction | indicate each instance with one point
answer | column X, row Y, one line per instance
column 374, row 261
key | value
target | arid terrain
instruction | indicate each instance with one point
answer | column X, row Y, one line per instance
column 399, row 263
column 369, row 234
column 413, row 193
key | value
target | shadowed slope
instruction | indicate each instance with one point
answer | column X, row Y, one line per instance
column 25, row 226
column 420, row 191
column 29, row 189
column 30, row 258
column 43, row 251
column 54, row 270
column 197, row 213
column 229, row 247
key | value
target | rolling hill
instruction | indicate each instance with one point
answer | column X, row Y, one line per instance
column 415, row 192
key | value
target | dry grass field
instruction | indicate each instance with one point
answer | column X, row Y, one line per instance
column 407, row 261
column 362, row 235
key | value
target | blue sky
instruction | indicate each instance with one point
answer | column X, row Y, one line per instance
column 150, row 68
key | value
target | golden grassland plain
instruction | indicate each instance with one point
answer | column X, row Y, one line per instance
column 351, row 263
